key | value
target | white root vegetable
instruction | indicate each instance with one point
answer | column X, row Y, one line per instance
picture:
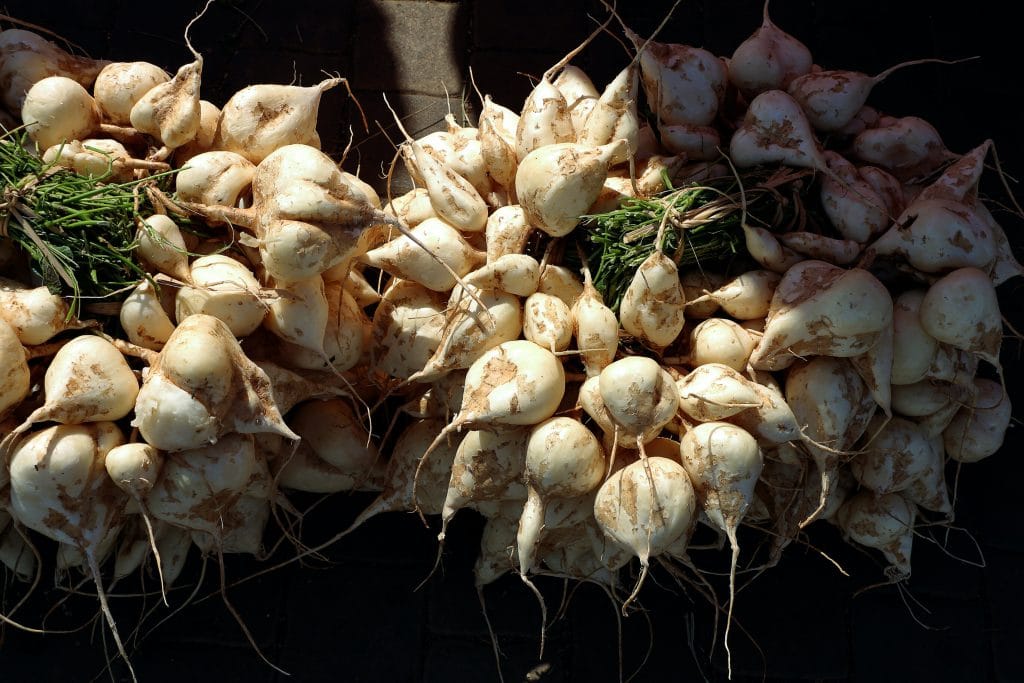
column 561, row 282
column 896, row 453
column 640, row 397
column 258, row 119
column 746, row 297
column 923, row 398
column 335, row 454
column 486, row 463
column 683, row 84
column 497, row 127
column 929, row 490
column 653, row 306
column 202, row 386
column 34, row 313
column 557, row 183
column 517, row 274
column 59, row 487
column 696, row 143
column 15, row 379
column 452, row 197
column 506, row 232
column 413, row 481
column 961, row 309
column 563, row 459
column 768, row 60
column 938, row 235
column 772, row 421
column 724, row 463
column 865, row 118
column 514, row 383
column 569, row 553
column 15, row 553
column 908, row 147
column 589, row 399
column 460, row 149
column 547, row 322
column 579, row 92
column 720, row 340
column 245, row 521
column 776, row 130
column 833, row 405
column 884, row 522
column 411, row 208
column 821, row 309
column 545, row 118
column 813, row 245
column 134, row 467
column 161, row 245
column 875, row 367
column 406, row 259
column 497, row 544
column 219, row 178
column 646, row 506
column 614, row 116
column 143, row 318
column 977, row 430
column 914, row 350
column 345, row 339
column 595, row 327
column 57, row 109
column 170, row 111
column 1006, row 265
column 197, row 487
column 859, row 202
column 303, row 470
column 209, row 117
column 767, row 249
column 88, row 380
column 471, row 330
column 119, row 85
column 298, row 313
column 306, row 216
column 356, row 284
column 289, row 388
column 100, row 159
column 833, row 97
column 407, row 328
column 222, row 287
column 713, row 391
column 27, row 58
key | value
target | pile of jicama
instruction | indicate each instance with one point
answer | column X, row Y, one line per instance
column 456, row 347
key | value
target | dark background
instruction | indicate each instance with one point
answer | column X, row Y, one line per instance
column 358, row 616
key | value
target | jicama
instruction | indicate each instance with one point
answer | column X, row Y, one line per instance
column 59, row 487
column 258, row 119
column 88, row 380
column 724, row 462
column 768, row 60
column 646, row 507
column 14, row 372
column 58, row 110
column 202, row 386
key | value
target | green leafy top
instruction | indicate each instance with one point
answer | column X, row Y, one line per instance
column 79, row 232
column 703, row 225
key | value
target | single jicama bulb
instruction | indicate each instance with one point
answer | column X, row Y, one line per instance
column 57, row 109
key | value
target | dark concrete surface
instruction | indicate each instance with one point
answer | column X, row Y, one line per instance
column 358, row 616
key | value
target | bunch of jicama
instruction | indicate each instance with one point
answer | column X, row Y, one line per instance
column 589, row 324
